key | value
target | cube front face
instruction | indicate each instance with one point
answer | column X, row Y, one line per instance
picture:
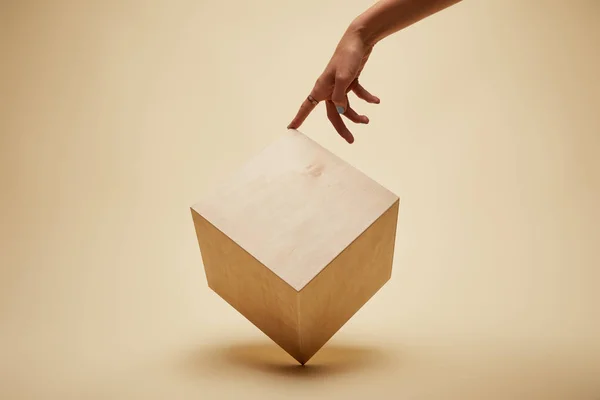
column 297, row 242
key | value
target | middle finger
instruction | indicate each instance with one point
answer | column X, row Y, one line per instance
column 337, row 122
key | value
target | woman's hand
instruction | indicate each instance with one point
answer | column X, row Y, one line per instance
column 339, row 78
column 382, row 19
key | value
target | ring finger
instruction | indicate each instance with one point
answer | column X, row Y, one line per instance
column 355, row 117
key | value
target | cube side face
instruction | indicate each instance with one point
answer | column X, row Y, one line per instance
column 248, row 286
column 346, row 284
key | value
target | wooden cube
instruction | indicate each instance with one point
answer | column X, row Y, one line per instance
column 297, row 241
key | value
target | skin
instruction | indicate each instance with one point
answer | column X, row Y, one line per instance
column 341, row 75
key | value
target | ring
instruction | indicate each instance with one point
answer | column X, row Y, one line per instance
column 312, row 100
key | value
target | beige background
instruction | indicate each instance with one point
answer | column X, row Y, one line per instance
column 116, row 116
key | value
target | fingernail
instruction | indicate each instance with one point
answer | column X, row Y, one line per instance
column 340, row 109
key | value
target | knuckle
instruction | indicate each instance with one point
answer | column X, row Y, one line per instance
column 319, row 83
column 343, row 76
column 322, row 85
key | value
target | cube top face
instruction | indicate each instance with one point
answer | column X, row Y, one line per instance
column 295, row 207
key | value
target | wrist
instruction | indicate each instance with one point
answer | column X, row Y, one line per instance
column 363, row 31
column 389, row 16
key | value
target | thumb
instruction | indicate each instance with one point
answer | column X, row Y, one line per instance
column 338, row 97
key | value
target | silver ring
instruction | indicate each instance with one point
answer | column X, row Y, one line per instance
column 312, row 100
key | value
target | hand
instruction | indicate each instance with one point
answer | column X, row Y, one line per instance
column 339, row 78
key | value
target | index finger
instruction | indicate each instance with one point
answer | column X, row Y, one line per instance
column 306, row 108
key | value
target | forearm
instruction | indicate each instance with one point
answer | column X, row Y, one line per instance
column 389, row 16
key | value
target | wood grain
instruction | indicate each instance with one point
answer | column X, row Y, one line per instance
column 295, row 207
